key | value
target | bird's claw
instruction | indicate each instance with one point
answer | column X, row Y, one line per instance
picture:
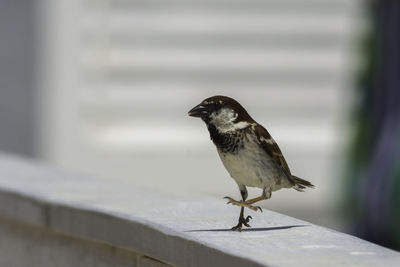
column 242, row 221
column 242, row 204
column 235, row 202
column 230, row 200
column 247, row 220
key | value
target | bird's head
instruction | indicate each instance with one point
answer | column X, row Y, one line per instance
column 222, row 112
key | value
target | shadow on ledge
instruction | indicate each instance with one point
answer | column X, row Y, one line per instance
column 250, row 229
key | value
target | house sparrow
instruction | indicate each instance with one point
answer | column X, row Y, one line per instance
column 248, row 152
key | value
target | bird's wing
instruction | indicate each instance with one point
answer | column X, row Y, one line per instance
column 272, row 149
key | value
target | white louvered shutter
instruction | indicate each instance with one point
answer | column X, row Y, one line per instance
column 121, row 75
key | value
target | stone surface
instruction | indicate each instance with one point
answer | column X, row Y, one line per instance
column 22, row 245
column 179, row 230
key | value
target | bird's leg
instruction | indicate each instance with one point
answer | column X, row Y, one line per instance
column 242, row 204
column 248, row 204
column 256, row 199
column 265, row 195
column 242, row 220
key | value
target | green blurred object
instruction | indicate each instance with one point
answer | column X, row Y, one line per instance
column 372, row 183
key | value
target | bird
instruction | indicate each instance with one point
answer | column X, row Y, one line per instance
column 248, row 152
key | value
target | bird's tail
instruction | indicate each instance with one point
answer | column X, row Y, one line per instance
column 301, row 184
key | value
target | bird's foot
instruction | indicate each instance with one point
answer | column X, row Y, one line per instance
column 242, row 221
column 242, row 204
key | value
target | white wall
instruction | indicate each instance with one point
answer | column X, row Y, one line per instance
column 118, row 78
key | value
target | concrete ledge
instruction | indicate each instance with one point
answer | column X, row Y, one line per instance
column 160, row 228
column 24, row 245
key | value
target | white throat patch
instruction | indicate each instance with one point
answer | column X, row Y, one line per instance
column 224, row 119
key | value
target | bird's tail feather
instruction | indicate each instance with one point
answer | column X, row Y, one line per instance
column 301, row 184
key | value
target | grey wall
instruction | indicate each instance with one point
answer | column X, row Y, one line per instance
column 16, row 76
column 41, row 247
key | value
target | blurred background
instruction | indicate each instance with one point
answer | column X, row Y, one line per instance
column 104, row 86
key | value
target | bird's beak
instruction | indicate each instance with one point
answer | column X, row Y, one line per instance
column 199, row 111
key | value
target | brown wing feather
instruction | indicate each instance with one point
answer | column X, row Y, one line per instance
column 272, row 149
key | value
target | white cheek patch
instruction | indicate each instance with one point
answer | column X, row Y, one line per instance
column 224, row 120
column 223, row 116
column 241, row 125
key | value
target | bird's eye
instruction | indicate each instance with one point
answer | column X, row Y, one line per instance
column 212, row 106
column 217, row 104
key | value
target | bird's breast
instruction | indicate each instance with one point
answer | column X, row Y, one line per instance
column 250, row 165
